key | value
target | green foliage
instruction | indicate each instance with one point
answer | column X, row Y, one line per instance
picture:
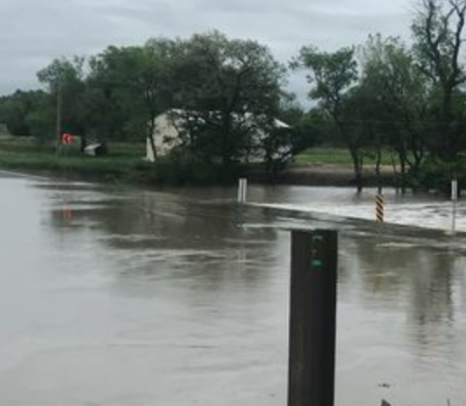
column 438, row 33
column 435, row 175
column 17, row 111
column 330, row 74
column 130, row 86
column 13, row 113
column 284, row 143
column 333, row 79
column 64, row 80
column 437, row 30
column 179, row 171
column 410, row 100
column 394, row 101
column 228, row 93
column 123, row 164
column 384, row 97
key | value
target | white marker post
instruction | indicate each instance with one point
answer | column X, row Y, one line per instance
column 454, row 199
column 242, row 190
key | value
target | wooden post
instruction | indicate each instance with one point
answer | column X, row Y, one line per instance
column 311, row 380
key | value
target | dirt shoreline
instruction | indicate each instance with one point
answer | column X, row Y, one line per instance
column 324, row 175
column 329, row 175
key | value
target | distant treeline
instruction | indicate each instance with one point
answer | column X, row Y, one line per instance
column 384, row 95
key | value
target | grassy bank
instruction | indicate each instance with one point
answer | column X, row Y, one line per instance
column 336, row 156
column 125, row 163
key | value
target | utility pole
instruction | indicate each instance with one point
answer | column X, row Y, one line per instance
column 59, row 112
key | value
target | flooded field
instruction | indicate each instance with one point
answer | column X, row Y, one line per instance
column 115, row 296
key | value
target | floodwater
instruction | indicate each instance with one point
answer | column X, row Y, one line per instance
column 114, row 296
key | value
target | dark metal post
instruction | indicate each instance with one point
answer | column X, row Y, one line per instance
column 311, row 380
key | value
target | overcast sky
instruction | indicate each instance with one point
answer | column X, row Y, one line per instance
column 33, row 32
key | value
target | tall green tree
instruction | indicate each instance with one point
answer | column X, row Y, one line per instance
column 64, row 81
column 438, row 33
column 136, row 81
column 28, row 113
column 229, row 92
column 399, row 97
column 332, row 75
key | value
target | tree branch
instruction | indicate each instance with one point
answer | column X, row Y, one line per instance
column 433, row 44
column 460, row 12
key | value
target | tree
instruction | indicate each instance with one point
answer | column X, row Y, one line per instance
column 135, row 80
column 284, row 143
column 64, row 81
column 362, row 116
column 438, row 34
column 161, row 56
column 18, row 110
column 13, row 112
column 332, row 75
column 228, row 90
column 398, row 95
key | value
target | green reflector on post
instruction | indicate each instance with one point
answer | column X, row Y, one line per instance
column 317, row 263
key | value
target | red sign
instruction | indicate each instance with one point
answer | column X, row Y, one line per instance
column 67, row 139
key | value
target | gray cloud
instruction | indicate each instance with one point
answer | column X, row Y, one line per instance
column 34, row 32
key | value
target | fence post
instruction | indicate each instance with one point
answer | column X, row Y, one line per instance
column 242, row 190
column 312, row 330
column 454, row 200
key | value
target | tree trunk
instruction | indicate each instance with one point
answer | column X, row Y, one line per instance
column 403, row 174
column 448, row 152
column 402, row 157
column 357, row 166
column 378, row 164
column 355, row 155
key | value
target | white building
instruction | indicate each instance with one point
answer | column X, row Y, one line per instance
column 167, row 130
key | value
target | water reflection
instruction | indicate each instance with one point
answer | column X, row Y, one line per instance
column 414, row 295
column 169, row 236
column 422, row 277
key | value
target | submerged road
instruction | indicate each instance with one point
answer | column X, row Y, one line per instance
column 113, row 296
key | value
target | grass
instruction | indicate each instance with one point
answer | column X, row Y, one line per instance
column 124, row 162
column 316, row 156
column 333, row 156
column 21, row 153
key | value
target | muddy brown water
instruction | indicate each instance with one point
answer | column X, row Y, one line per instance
column 113, row 296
